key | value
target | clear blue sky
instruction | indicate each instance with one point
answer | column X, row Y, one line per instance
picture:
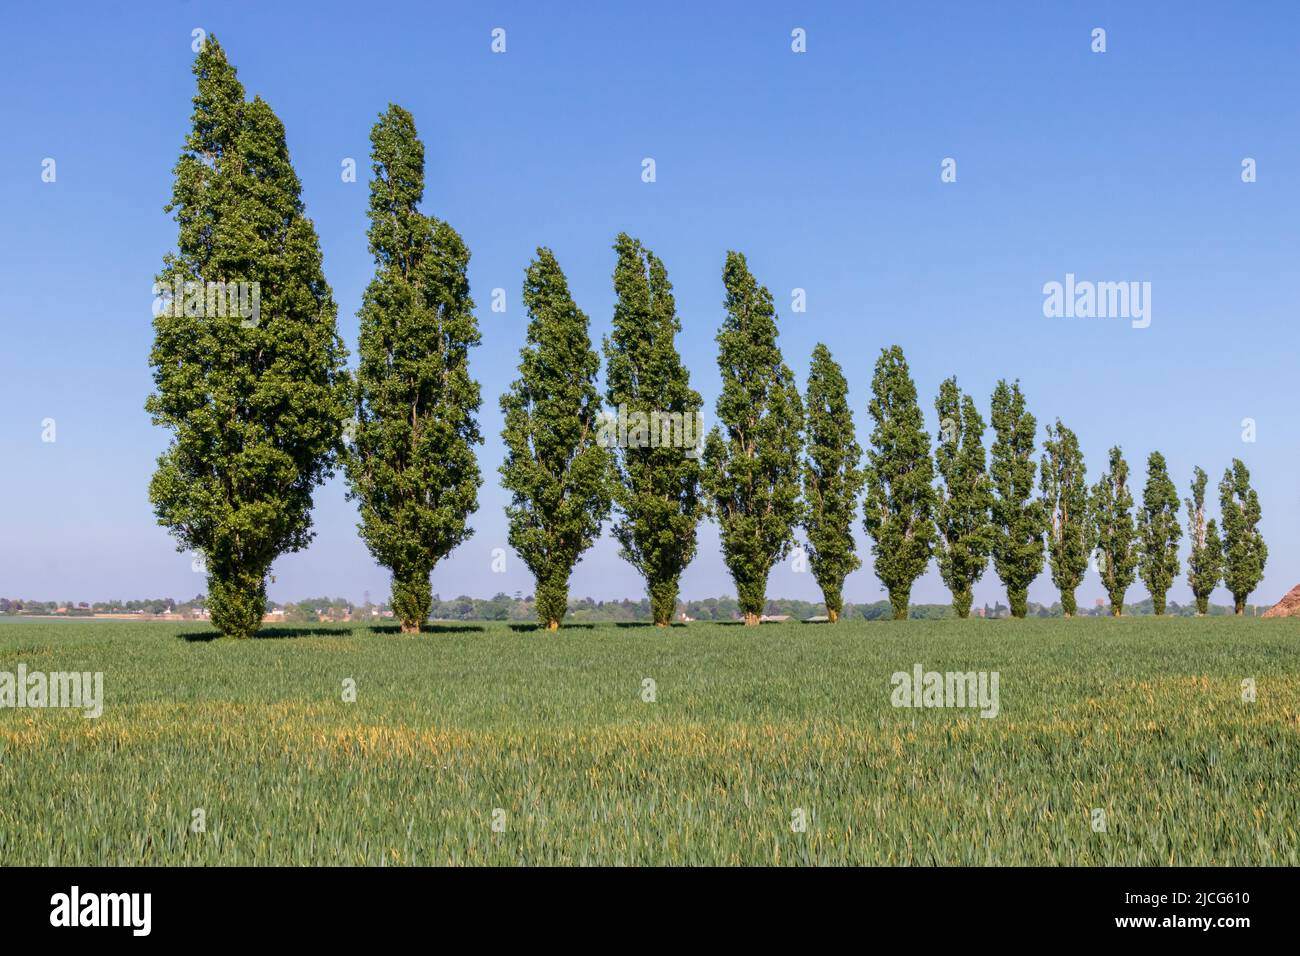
column 823, row 168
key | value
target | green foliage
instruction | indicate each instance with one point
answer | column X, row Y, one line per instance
column 1158, row 532
column 962, row 518
column 1019, row 518
column 751, row 463
column 832, row 479
column 1064, row 483
column 411, row 461
column 558, row 473
column 898, row 512
column 1114, row 534
column 657, row 491
column 1244, row 550
column 254, row 395
column 1205, row 563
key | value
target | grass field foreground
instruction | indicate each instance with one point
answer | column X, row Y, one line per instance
column 479, row 744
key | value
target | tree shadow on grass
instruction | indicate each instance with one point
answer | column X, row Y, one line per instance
column 648, row 624
column 429, row 629
column 266, row 633
column 531, row 628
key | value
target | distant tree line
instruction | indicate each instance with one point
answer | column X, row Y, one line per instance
column 523, row 608
column 503, row 607
column 86, row 608
column 263, row 410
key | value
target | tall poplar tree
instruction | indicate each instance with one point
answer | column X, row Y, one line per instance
column 657, row 492
column 751, row 462
column 898, row 512
column 1018, row 516
column 1113, row 533
column 832, row 479
column 1063, row 480
column 411, row 461
column 1244, row 550
column 1205, row 562
column 1158, row 532
column 962, row 518
column 558, row 472
column 247, row 365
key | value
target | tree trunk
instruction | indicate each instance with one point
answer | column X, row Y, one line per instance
column 412, row 600
column 899, row 598
column 237, row 601
column 1068, row 603
column 1019, row 601
column 552, row 625
column 751, row 619
column 833, row 615
column 961, row 602
column 663, row 601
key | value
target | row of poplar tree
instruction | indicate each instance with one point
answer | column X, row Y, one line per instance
column 262, row 412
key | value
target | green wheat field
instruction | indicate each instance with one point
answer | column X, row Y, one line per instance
column 479, row 744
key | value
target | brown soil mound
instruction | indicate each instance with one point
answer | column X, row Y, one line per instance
column 1289, row 606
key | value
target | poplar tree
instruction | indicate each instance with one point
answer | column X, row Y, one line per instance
column 1018, row 516
column 558, row 472
column 900, row 502
column 751, row 462
column 1205, row 563
column 411, row 461
column 1158, row 532
column 1114, row 535
column 832, row 479
column 963, row 521
column 247, row 365
column 1063, row 480
column 657, row 492
column 1244, row 550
